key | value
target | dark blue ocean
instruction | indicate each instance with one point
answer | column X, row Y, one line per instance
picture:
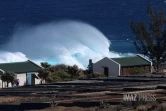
column 110, row 17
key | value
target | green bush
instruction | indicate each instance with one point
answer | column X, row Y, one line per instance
column 55, row 78
column 60, row 75
column 138, row 71
column 60, row 72
column 95, row 75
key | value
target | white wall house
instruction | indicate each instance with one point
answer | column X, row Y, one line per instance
column 121, row 66
column 107, row 66
column 26, row 72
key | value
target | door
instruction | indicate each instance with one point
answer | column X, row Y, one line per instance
column 30, row 78
column 106, row 71
column 33, row 79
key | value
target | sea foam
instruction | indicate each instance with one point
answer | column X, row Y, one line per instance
column 68, row 42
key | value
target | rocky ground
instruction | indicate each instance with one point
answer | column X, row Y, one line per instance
column 90, row 95
column 145, row 107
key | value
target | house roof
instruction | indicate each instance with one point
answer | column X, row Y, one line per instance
column 20, row 67
column 131, row 61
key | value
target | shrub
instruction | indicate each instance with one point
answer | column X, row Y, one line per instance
column 138, row 71
column 104, row 105
column 55, row 77
column 95, row 75
column 60, row 75
column 75, row 72
column 82, row 76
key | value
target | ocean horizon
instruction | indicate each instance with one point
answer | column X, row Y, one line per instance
column 69, row 32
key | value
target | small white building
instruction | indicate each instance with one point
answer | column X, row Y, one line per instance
column 26, row 72
column 121, row 66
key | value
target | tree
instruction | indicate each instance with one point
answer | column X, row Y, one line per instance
column 58, row 67
column 74, row 71
column 8, row 77
column 43, row 74
column 45, row 65
column 151, row 37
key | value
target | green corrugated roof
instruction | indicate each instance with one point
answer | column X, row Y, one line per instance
column 20, row 67
column 131, row 61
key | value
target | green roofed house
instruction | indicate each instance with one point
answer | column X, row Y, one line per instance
column 25, row 71
column 121, row 66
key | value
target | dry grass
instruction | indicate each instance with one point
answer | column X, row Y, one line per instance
column 10, row 99
column 61, row 108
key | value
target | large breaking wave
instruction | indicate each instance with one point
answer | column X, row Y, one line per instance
column 68, row 42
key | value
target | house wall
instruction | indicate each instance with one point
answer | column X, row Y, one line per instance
column 151, row 69
column 1, row 71
column 4, row 84
column 31, row 80
column 163, row 67
column 113, row 67
column 22, row 78
column 128, row 70
column 37, row 81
